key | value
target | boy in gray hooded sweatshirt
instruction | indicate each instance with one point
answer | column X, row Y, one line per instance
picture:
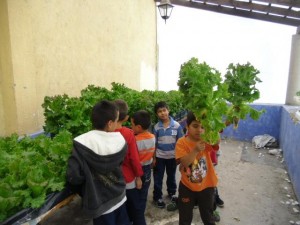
column 95, row 167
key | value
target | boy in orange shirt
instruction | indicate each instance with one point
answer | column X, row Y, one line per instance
column 198, row 177
column 140, row 123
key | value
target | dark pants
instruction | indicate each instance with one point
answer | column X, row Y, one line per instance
column 158, row 173
column 146, row 179
column 215, row 199
column 186, row 202
column 137, row 199
column 117, row 217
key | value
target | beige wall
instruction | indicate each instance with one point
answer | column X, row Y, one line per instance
column 55, row 47
column 8, row 114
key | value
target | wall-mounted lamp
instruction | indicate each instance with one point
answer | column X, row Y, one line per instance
column 165, row 9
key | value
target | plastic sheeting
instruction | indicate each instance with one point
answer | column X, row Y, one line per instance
column 265, row 140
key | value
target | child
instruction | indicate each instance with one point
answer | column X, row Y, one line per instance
column 167, row 131
column 94, row 166
column 140, row 122
column 198, row 178
column 214, row 159
column 131, row 167
column 217, row 201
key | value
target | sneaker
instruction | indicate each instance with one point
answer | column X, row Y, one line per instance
column 172, row 206
column 159, row 203
column 219, row 201
column 174, row 199
column 216, row 216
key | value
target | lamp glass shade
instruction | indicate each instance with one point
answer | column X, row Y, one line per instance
column 165, row 10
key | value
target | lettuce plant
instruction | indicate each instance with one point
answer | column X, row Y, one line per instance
column 204, row 93
column 217, row 103
column 241, row 80
column 30, row 169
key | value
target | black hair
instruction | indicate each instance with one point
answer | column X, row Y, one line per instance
column 142, row 118
column 102, row 113
column 160, row 104
column 190, row 118
column 123, row 108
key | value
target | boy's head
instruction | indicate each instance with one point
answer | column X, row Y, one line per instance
column 161, row 109
column 194, row 127
column 190, row 118
column 140, row 121
column 105, row 115
column 123, row 109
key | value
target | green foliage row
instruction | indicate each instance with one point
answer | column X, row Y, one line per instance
column 30, row 169
column 73, row 113
column 217, row 102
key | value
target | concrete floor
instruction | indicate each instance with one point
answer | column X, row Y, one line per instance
column 253, row 184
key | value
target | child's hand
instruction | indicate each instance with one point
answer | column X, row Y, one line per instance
column 215, row 147
column 154, row 162
column 138, row 183
column 187, row 170
column 200, row 146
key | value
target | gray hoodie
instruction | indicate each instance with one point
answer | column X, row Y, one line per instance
column 95, row 166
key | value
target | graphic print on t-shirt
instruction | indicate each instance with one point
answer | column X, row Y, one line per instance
column 197, row 170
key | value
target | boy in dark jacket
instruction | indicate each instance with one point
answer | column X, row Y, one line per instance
column 95, row 166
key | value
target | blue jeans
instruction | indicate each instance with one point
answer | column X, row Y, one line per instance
column 146, row 179
column 116, row 217
column 158, row 173
column 137, row 199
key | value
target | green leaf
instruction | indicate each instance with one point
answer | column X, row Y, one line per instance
column 31, row 169
column 204, row 93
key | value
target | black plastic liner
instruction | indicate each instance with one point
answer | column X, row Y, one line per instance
column 27, row 215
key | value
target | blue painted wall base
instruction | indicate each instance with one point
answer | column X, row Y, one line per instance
column 277, row 122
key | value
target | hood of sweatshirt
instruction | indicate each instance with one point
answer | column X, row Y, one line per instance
column 103, row 151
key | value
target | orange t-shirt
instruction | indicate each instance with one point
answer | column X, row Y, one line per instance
column 201, row 173
column 146, row 147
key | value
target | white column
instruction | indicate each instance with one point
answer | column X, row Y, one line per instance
column 294, row 73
